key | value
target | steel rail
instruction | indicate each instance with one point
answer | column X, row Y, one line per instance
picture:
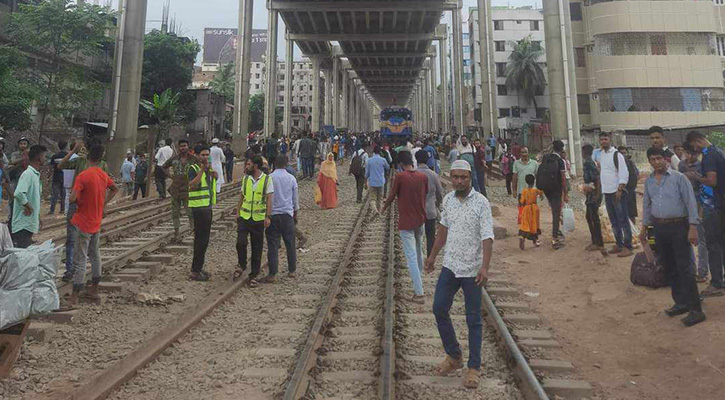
column 297, row 386
column 110, row 211
column 386, row 387
column 529, row 384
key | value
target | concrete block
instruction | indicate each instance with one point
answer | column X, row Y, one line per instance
column 40, row 331
column 501, row 291
column 144, row 272
column 127, row 278
column 269, row 352
column 299, row 311
column 62, row 317
column 161, row 258
column 523, row 319
column 551, row 366
column 176, row 249
column 285, row 334
column 532, row 334
column 450, row 382
column 568, row 388
column 349, row 376
column 154, row 266
column 112, row 287
column 354, row 330
column 358, row 337
column 512, row 305
column 350, row 355
column 264, row 373
column 542, row 343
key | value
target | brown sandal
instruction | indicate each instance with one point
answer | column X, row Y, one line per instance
column 449, row 365
column 472, row 378
column 238, row 273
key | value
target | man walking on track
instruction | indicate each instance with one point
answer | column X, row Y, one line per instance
column 410, row 187
column 357, row 169
column 376, row 169
column 466, row 232
column 285, row 205
column 92, row 191
column 255, row 209
column 551, row 178
column 202, row 197
column 179, row 190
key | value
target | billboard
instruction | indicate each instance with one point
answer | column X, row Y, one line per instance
column 220, row 45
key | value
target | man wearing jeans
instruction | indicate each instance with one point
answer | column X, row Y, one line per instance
column 285, row 204
column 614, row 177
column 307, row 150
column 712, row 178
column 466, row 232
column 410, row 186
column 433, row 199
column 92, row 191
column 376, row 169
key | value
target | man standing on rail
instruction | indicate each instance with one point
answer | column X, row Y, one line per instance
column 466, row 232
column 127, row 174
column 285, row 205
column 77, row 163
column 26, row 199
column 229, row 164
column 410, row 187
column 179, row 190
column 376, row 169
column 92, row 191
column 255, row 209
column 201, row 198
column 306, row 151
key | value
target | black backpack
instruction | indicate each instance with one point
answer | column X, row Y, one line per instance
column 356, row 166
column 548, row 176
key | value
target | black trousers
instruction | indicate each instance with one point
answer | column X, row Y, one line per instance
column 202, row 231
column 360, row 181
column 595, row 225
column 673, row 250
column 430, row 234
column 22, row 239
column 139, row 186
column 509, row 179
column 248, row 230
column 555, row 204
column 282, row 226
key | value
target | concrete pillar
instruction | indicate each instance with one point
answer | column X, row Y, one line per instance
column 458, row 70
column 343, row 108
column 489, row 111
column 434, row 91
column 270, row 97
column 426, row 99
column 328, row 97
column 562, row 79
column 243, row 72
column 288, row 82
column 445, row 116
column 316, row 117
column 124, row 120
column 336, row 120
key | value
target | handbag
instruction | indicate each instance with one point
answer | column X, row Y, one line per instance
column 318, row 195
column 646, row 273
column 568, row 217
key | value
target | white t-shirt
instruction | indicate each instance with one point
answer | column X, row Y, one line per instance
column 163, row 155
column 68, row 173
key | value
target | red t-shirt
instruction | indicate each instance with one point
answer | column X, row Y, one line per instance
column 91, row 186
column 411, row 188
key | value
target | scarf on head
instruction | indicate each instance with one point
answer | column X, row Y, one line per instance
column 329, row 168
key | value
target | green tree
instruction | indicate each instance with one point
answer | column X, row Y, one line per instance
column 61, row 32
column 256, row 112
column 523, row 72
column 169, row 64
column 164, row 110
column 223, row 82
column 16, row 95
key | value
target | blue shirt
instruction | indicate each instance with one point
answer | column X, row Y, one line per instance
column 713, row 160
column 375, row 170
column 286, row 196
column 126, row 170
column 671, row 198
column 432, row 155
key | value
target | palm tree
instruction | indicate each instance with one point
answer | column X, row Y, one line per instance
column 164, row 110
column 523, row 72
column 223, row 82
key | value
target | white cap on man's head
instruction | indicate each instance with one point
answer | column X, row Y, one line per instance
column 215, row 140
column 461, row 165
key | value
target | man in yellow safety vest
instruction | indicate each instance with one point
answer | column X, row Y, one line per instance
column 202, row 197
column 255, row 208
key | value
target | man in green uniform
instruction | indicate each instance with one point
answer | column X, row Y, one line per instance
column 179, row 165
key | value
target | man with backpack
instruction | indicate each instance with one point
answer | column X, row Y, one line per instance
column 357, row 169
column 614, row 178
column 551, row 179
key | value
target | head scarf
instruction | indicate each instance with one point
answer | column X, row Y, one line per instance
column 329, row 168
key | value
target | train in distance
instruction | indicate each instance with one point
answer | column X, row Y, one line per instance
column 396, row 122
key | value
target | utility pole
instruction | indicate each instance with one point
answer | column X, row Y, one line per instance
column 241, row 81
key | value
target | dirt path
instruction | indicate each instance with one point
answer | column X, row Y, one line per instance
column 614, row 332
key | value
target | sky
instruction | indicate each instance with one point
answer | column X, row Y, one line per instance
column 194, row 15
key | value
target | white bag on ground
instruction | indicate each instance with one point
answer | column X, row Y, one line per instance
column 568, row 216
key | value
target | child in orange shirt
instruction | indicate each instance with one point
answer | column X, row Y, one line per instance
column 529, row 227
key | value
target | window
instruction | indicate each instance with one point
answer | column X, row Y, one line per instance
column 310, row 87
column 580, row 57
column 575, row 9
column 540, row 113
column 534, row 25
column 504, row 112
column 280, row 98
column 582, row 101
column 256, row 76
column 296, row 123
column 661, row 99
column 536, row 43
column 500, row 45
column 518, row 22
column 497, row 25
column 256, row 86
column 721, row 46
column 501, row 90
column 658, row 44
column 302, row 98
column 310, row 98
column 720, row 2
column 501, row 70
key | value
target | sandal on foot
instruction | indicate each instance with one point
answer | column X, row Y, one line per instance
column 238, row 273
column 418, row 299
column 472, row 378
column 252, row 283
column 449, row 365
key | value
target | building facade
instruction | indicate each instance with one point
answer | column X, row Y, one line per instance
column 510, row 25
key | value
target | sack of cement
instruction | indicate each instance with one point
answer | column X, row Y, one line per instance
column 45, row 294
column 15, row 306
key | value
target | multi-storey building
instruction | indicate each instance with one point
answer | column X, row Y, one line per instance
column 643, row 63
column 509, row 26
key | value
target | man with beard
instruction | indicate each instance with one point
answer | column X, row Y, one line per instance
column 201, row 195
column 179, row 190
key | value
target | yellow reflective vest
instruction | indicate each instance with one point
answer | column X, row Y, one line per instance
column 205, row 194
column 254, row 206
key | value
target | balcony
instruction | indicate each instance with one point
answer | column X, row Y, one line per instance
column 652, row 16
column 647, row 71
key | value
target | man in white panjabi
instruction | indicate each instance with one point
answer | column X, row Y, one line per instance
column 217, row 163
